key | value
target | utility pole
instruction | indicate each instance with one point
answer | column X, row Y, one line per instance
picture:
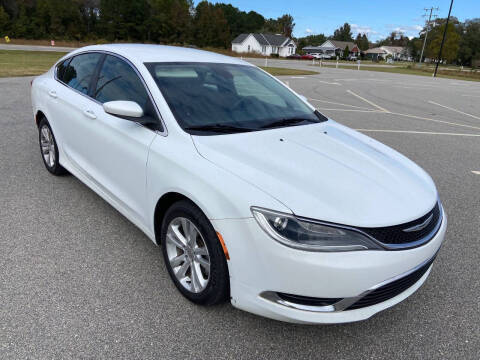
column 443, row 40
column 428, row 28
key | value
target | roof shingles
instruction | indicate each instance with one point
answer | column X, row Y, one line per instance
column 263, row 39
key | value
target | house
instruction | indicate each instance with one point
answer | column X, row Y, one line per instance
column 382, row 52
column 333, row 48
column 265, row 44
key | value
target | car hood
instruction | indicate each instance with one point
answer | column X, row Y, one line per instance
column 326, row 171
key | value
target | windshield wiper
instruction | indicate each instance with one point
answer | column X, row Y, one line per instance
column 219, row 128
column 287, row 122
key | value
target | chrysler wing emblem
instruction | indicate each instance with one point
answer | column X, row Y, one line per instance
column 421, row 226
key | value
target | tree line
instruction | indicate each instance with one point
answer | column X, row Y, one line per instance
column 462, row 45
column 158, row 21
column 204, row 25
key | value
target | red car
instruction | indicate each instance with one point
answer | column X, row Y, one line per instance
column 307, row 57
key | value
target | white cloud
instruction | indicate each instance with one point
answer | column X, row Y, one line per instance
column 308, row 31
column 407, row 30
column 362, row 29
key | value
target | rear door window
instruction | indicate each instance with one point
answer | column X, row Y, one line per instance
column 79, row 73
column 61, row 69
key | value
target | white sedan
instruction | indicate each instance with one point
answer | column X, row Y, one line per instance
column 253, row 195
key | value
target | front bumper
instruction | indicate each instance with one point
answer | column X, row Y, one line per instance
column 259, row 265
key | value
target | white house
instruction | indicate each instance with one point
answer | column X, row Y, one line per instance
column 265, row 44
column 333, row 48
column 382, row 52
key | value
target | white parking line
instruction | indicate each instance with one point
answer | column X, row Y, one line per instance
column 329, row 83
column 352, row 110
column 452, row 109
column 472, row 95
column 434, row 120
column 337, row 103
column 418, row 132
column 368, row 101
column 297, row 77
column 476, row 172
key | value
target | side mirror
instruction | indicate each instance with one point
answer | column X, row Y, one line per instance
column 123, row 109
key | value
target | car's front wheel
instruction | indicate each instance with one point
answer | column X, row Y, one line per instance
column 193, row 255
column 49, row 148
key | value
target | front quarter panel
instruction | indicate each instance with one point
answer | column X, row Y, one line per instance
column 174, row 165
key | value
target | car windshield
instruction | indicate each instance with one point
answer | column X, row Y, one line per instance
column 214, row 98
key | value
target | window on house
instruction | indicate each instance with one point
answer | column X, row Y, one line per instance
column 248, row 48
column 264, row 49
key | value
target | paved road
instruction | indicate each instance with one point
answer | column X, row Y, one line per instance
column 35, row 48
column 271, row 62
column 77, row 280
column 307, row 64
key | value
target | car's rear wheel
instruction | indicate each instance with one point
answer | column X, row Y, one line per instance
column 49, row 148
column 193, row 255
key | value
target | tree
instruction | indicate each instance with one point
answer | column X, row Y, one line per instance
column 451, row 46
column 241, row 22
column 58, row 18
column 362, row 42
column 210, row 27
column 124, row 19
column 253, row 22
column 343, row 33
column 169, row 21
column 22, row 25
column 414, row 48
column 89, row 10
column 311, row 40
column 286, row 25
column 346, row 52
column 283, row 25
column 470, row 42
column 394, row 39
column 4, row 21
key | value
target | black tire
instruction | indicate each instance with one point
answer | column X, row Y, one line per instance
column 217, row 289
column 55, row 168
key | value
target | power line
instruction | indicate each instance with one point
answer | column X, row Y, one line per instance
column 427, row 10
column 443, row 40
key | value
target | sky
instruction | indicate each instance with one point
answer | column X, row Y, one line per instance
column 377, row 18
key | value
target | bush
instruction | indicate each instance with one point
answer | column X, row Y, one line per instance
column 274, row 55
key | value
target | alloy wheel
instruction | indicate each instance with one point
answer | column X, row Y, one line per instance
column 47, row 145
column 188, row 254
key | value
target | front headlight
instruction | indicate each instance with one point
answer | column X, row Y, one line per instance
column 310, row 235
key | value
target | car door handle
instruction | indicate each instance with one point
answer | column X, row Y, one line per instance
column 90, row 114
column 53, row 94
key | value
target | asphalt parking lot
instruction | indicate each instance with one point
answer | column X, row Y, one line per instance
column 78, row 280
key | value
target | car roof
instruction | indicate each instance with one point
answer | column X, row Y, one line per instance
column 142, row 53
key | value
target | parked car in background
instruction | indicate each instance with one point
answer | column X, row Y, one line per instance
column 307, row 57
column 252, row 194
column 352, row 57
column 294, row 56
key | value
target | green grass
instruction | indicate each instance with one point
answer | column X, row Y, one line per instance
column 31, row 63
column 26, row 63
column 283, row 71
